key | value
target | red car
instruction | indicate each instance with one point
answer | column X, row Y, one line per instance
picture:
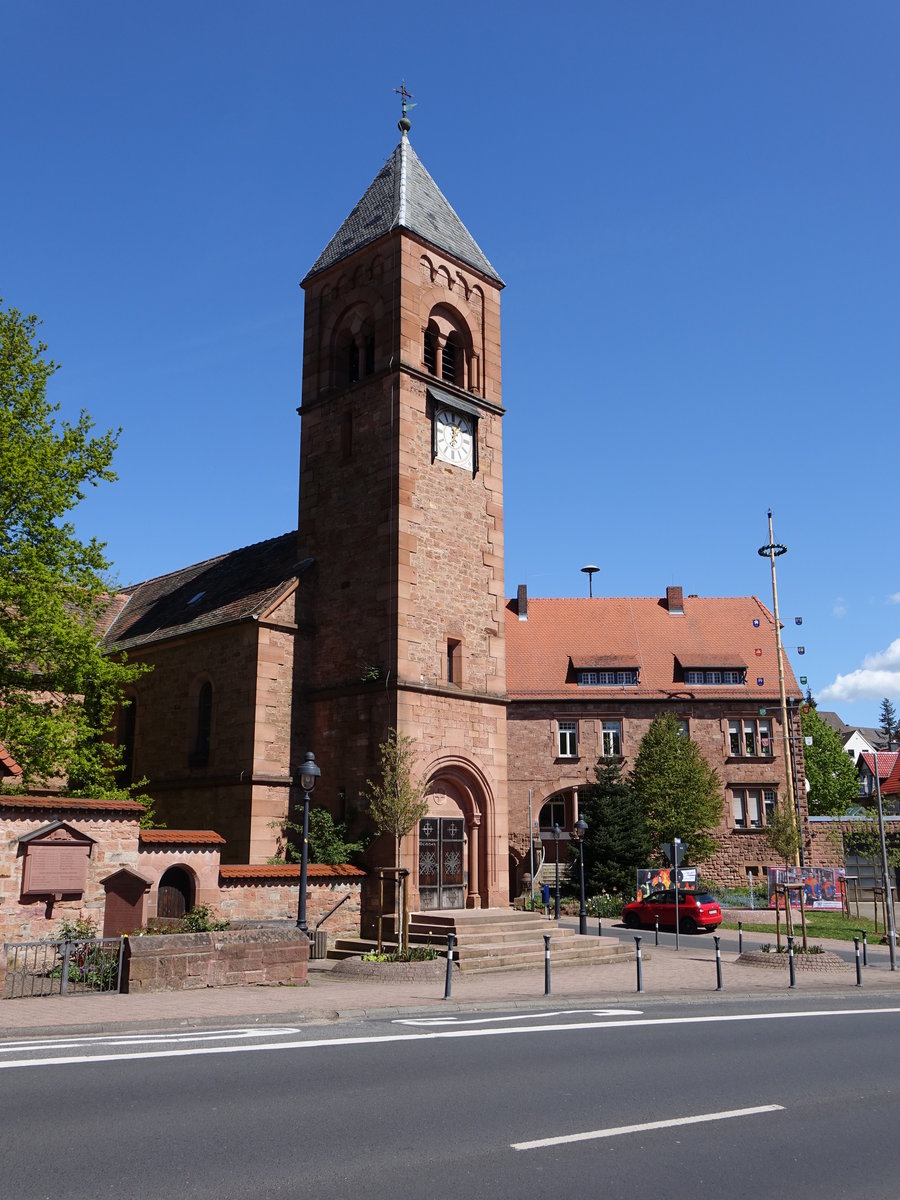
column 696, row 911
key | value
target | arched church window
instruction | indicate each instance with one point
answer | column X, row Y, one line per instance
column 125, row 729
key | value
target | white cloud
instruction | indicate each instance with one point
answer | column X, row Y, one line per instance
column 894, row 598
column 878, row 676
column 839, row 608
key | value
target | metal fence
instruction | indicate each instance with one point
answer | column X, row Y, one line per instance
column 86, row 967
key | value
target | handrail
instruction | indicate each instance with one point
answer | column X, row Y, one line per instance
column 334, row 909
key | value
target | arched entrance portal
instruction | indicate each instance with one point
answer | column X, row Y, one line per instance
column 452, row 869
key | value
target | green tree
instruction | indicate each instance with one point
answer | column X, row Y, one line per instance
column 397, row 800
column 327, row 841
column 889, row 724
column 782, row 834
column 830, row 773
column 58, row 689
column 616, row 843
column 676, row 789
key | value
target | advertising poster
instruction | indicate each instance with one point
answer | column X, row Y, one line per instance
column 659, row 879
column 823, row 887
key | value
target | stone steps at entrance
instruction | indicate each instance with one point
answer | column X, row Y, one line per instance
column 497, row 939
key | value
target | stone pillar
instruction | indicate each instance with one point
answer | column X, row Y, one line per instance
column 473, row 898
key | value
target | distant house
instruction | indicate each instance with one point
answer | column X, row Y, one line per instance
column 856, row 739
column 865, row 765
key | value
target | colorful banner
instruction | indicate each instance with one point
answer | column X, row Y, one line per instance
column 662, row 879
column 823, row 887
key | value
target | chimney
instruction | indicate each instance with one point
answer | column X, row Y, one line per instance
column 675, row 601
column 522, row 602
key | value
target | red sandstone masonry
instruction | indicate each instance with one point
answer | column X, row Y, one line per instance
column 230, row 958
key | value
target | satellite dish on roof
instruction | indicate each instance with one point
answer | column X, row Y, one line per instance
column 590, row 571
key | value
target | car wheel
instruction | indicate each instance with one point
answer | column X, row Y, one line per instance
column 688, row 925
column 631, row 920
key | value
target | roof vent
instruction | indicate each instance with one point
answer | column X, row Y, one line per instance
column 675, row 601
column 522, row 602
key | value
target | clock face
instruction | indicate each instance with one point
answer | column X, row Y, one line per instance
column 455, row 441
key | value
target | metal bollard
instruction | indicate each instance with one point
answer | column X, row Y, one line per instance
column 858, row 970
column 865, row 950
column 599, row 927
column 718, row 964
column 546, row 964
column 640, row 973
column 790, row 942
column 451, row 941
column 657, row 931
column 740, row 937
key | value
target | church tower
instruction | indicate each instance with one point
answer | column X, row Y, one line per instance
column 401, row 600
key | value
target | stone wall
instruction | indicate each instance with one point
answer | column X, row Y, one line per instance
column 231, row 958
column 270, row 893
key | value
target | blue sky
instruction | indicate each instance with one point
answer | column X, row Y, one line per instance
column 694, row 207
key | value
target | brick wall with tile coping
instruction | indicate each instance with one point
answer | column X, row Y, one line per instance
column 240, row 893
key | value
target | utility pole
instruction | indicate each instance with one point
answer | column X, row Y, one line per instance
column 772, row 551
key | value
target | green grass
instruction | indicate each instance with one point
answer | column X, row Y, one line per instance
column 820, row 925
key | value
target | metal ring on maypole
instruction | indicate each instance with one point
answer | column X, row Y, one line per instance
column 775, row 548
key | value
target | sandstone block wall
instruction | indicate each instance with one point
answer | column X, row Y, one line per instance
column 231, row 958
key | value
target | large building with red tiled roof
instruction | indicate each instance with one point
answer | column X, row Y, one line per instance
column 587, row 676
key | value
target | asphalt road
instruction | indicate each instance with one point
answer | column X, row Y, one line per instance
column 795, row 1098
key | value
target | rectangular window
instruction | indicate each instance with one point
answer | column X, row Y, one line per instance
column 770, row 799
column 734, row 739
column 552, row 813
column 612, row 739
column 748, row 806
column 683, row 727
column 627, row 678
column 750, row 739
column 765, row 737
column 568, row 739
column 714, row 678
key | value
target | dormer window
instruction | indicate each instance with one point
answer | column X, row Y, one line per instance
column 605, row 678
column 712, row 678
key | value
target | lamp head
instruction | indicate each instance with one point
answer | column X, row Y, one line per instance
column 309, row 773
column 581, row 828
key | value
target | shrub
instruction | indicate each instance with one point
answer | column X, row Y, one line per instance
column 607, row 905
column 201, row 919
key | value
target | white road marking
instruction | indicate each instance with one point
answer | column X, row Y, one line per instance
column 145, row 1039
column 593, row 1134
column 444, row 1034
column 457, row 1022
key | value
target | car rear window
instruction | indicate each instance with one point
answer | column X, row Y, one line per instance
column 705, row 898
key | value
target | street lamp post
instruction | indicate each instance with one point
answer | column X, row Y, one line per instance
column 557, row 834
column 307, row 776
column 581, row 828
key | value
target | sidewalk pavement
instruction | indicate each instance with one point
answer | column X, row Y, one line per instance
column 688, row 974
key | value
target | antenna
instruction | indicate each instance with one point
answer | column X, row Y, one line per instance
column 590, row 571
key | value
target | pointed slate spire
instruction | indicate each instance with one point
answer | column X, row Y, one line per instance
column 403, row 195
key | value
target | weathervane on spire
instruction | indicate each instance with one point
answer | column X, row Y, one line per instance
column 404, row 124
